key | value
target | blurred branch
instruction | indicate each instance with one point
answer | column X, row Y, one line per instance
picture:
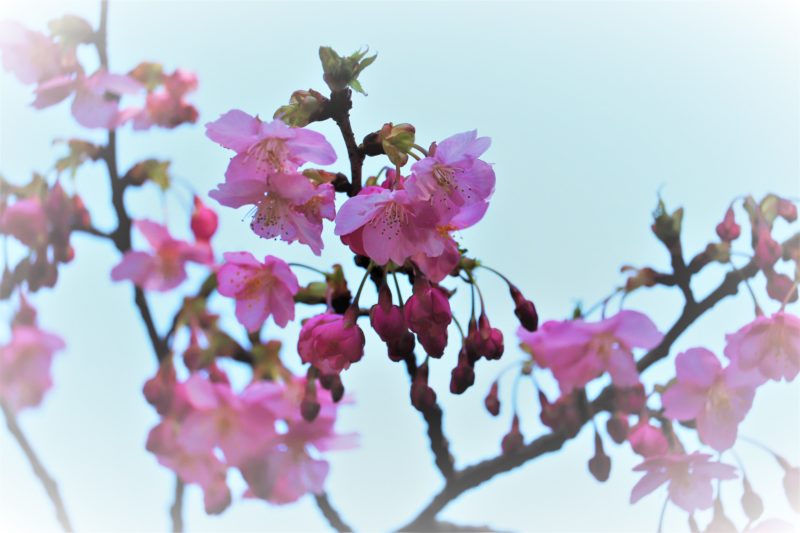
column 176, row 510
column 330, row 513
column 48, row 482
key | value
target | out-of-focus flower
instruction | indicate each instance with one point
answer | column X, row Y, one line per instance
column 330, row 343
column 428, row 315
column 689, row 479
column 165, row 267
column 768, row 345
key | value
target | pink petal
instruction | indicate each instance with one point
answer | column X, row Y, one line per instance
column 650, row 482
column 235, row 130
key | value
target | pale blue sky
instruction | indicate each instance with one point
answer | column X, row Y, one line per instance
column 592, row 107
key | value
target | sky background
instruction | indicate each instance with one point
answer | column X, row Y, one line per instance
column 593, row 107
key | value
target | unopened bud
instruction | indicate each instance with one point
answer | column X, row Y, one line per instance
column 524, row 309
column 600, row 463
column 492, row 401
column 513, row 441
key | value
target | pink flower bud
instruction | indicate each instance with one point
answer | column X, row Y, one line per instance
column 159, row 390
column 26, row 221
column 600, row 463
column 647, row 440
column 491, row 339
column 422, row 396
column 204, row 221
column 401, row 348
column 329, row 344
column 780, row 287
column 463, row 375
column 513, row 440
column 767, row 249
column 563, row 416
column 617, row 427
column 492, row 401
column 524, row 309
column 728, row 230
column 630, row 399
column 787, row 210
column 428, row 315
column 386, row 319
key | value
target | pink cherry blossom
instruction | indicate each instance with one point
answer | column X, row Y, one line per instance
column 288, row 206
column 452, row 178
column 330, row 343
column 167, row 107
column 260, row 289
column 387, row 319
column 768, row 345
column 264, row 148
column 204, row 468
column 164, row 268
column 26, row 220
column 577, row 351
column 25, row 366
column 291, row 468
column 689, row 479
column 646, row 439
column 428, row 315
column 439, row 267
column 96, row 103
column 387, row 225
column 221, row 418
column 30, row 55
column 717, row 399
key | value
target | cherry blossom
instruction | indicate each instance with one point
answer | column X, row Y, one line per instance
column 768, row 345
column 165, row 267
column 330, row 342
column 260, row 289
column 25, row 366
column 689, row 479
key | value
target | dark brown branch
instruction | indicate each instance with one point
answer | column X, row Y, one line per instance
column 340, row 105
column 48, row 482
column 433, row 417
column 330, row 513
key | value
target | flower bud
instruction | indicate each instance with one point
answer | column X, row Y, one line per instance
column 303, row 106
column 728, row 230
column 309, row 406
column 340, row 72
column 767, row 249
column 600, row 463
column 492, row 401
column 524, row 309
column 617, row 427
column 780, row 287
column 787, row 210
column 491, row 339
column 397, row 142
column 428, row 315
column 386, row 319
column 333, row 383
column 463, row 375
column 751, row 502
column 513, row 441
column 26, row 314
column 401, row 348
column 422, row 396
column 719, row 522
column 204, row 221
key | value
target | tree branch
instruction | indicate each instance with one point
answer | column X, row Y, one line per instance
column 331, row 514
column 47, row 481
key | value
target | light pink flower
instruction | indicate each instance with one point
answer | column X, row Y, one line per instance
column 646, row 439
column 164, row 268
column 387, row 225
column 717, row 399
column 289, row 470
column 577, row 351
column 689, row 478
column 768, row 345
column 30, row 55
column 167, row 106
column 260, row 289
column 26, row 220
column 96, row 103
column 264, row 148
column 453, row 179
column 439, row 267
column 288, row 206
column 221, row 418
column 202, row 468
column 330, row 343
column 25, row 366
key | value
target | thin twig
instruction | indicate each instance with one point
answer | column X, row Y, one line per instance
column 330, row 513
column 176, row 510
column 48, row 482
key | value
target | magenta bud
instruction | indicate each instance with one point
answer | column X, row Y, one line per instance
column 423, row 397
column 780, row 287
column 513, row 441
column 428, row 314
column 767, row 249
column 492, row 401
column 401, row 348
column 617, row 427
column 728, row 230
column 386, row 319
column 463, row 375
column 524, row 309
column 204, row 221
column 787, row 210
column 600, row 463
column 491, row 339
